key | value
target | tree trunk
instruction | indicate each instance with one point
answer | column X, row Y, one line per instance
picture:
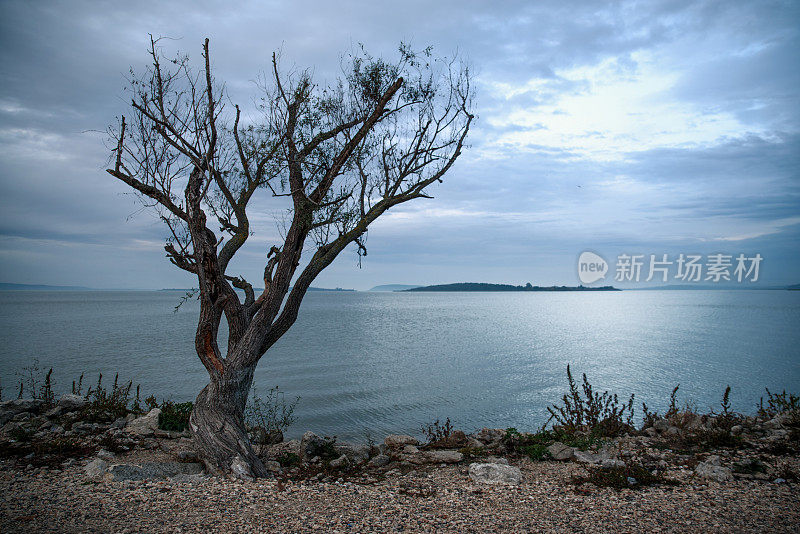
column 217, row 424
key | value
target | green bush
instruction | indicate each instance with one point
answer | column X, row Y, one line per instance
column 174, row 416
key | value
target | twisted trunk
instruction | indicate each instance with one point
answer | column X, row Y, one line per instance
column 217, row 424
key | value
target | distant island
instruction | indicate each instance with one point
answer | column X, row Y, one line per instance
column 481, row 286
column 393, row 287
column 39, row 287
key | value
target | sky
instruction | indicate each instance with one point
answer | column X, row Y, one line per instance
column 658, row 127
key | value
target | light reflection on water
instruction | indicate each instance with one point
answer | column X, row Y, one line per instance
column 391, row 361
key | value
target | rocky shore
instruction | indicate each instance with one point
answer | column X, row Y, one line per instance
column 59, row 473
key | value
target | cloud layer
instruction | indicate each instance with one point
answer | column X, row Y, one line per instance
column 658, row 127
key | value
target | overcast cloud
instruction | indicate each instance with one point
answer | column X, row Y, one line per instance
column 639, row 127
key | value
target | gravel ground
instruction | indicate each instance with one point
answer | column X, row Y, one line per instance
column 437, row 499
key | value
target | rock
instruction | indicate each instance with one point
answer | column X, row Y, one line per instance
column 54, row 412
column 70, row 402
column 495, row 474
column 661, row 425
column 709, row 471
column 398, row 441
column 455, row 440
column 188, row 457
column 439, row 456
column 650, row 431
column 736, row 430
column 119, row 423
column 410, row 449
column 145, row 425
column 632, row 481
column 611, row 462
column 444, row 456
column 83, row 428
column 495, row 460
column 561, row 452
column 12, row 408
column 311, row 445
column 105, row 455
column 260, row 436
column 473, row 443
column 779, row 481
column 96, row 468
column 341, row 462
column 586, row 457
column 282, row 449
column 273, row 466
column 379, row 461
column 357, row 454
column 490, row 436
column 673, row 431
column 156, row 470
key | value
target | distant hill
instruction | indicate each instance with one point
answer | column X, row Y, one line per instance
column 393, row 287
column 795, row 287
column 39, row 287
column 481, row 286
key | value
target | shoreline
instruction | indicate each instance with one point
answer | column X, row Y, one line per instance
column 130, row 475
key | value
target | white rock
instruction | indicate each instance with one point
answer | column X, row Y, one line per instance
column 96, row 468
column 709, row 471
column 397, row 441
column 144, row 425
column 495, row 474
column 70, row 402
column 559, row 451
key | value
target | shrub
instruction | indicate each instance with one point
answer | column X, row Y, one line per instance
column 107, row 404
column 618, row 477
column 272, row 413
column 778, row 403
column 288, row 459
column 38, row 387
column 437, row 432
column 175, row 416
column 601, row 413
column 536, row 451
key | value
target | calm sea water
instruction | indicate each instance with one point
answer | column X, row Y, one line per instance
column 389, row 362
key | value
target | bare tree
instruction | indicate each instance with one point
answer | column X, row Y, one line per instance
column 341, row 155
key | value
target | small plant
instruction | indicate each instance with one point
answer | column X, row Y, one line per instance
column 588, row 410
column 778, row 403
column 107, row 404
column 536, row 451
column 39, row 388
column 110, row 443
column 136, row 407
column 151, row 403
column 437, row 432
column 470, row 453
column 78, row 388
column 288, row 459
column 272, row 413
column 175, row 416
column 630, row 476
column 373, row 448
column 327, row 450
column 20, row 433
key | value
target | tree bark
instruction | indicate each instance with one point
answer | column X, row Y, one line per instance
column 217, row 424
